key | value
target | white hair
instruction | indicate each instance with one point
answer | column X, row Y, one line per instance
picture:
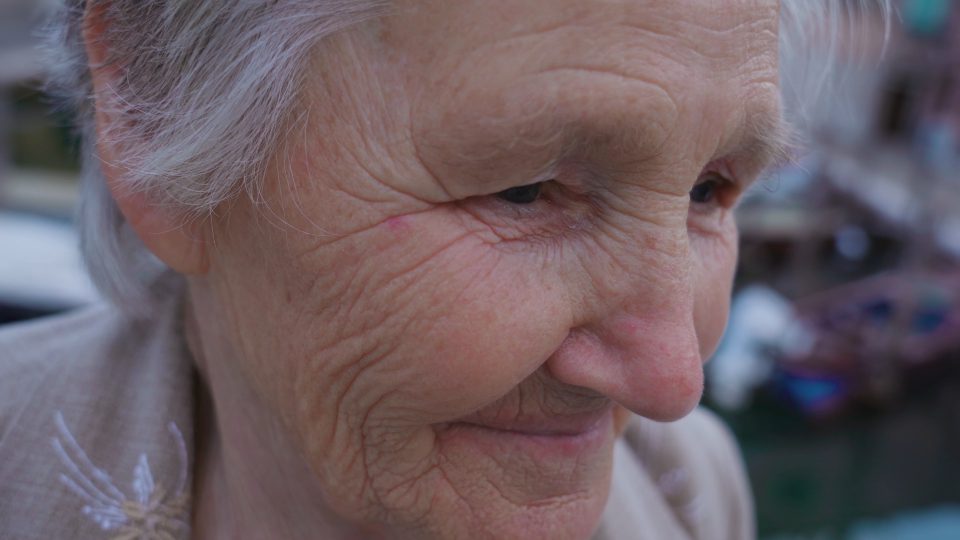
column 205, row 92
column 812, row 34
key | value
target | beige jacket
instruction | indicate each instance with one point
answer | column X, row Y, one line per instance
column 96, row 442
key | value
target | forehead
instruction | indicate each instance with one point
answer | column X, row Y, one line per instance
column 486, row 71
column 499, row 18
column 438, row 31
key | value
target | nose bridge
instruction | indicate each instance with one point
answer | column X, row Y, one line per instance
column 649, row 313
column 646, row 275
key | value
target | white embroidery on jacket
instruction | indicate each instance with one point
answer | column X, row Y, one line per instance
column 152, row 514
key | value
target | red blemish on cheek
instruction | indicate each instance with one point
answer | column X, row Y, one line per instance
column 628, row 327
column 397, row 224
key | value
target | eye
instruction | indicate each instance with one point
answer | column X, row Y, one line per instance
column 707, row 191
column 522, row 194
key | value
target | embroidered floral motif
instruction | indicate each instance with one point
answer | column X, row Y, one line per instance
column 151, row 514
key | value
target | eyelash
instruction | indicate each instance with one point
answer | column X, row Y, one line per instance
column 723, row 191
column 546, row 211
column 530, row 193
column 527, row 194
column 550, row 209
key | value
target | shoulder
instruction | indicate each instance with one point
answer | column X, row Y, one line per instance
column 37, row 350
column 15, row 338
column 90, row 402
column 701, row 438
column 24, row 344
column 78, row 352
column 83, row 360
column 89, row 338
column 695, row 472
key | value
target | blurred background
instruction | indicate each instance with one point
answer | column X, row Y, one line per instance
column 40, row 270
column 840, row 371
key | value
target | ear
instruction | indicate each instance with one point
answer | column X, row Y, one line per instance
column 177, row 241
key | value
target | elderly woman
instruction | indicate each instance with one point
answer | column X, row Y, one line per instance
column 405, row 268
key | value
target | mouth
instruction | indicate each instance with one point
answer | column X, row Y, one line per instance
column 572, row 425
column 540, row 436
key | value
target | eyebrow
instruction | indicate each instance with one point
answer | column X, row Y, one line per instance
column 532, row 146
column 769, row 141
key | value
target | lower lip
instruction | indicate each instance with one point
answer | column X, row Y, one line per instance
column 540, row 445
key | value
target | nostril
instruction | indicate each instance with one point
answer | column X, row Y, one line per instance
column 654, row 370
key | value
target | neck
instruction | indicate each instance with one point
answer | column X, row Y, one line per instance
column 249, row 481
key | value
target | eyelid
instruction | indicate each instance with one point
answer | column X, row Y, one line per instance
column 729, row 188
column 546, row 175
column 733, row 183
column 740, row 174
column 723, row 168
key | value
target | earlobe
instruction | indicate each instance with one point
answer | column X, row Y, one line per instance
column 178, row 241
column 174, row 239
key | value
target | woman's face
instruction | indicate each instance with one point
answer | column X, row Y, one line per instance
column 453, row 361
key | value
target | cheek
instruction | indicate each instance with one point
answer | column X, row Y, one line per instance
column 482, row 321
column 715, row 259
column 446, row 322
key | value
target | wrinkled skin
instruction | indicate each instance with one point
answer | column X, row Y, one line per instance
column 439, row 361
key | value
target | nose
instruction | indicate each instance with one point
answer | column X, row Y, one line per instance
column 642, row 352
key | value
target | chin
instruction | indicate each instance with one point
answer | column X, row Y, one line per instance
column 575, row 517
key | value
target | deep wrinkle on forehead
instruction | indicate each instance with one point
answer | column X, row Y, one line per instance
column 620, row 135
column 432, row 23
column 573, row 91
column 531, row 145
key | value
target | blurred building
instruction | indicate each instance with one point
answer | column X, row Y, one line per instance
column 40, row 270
column 841, row 368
